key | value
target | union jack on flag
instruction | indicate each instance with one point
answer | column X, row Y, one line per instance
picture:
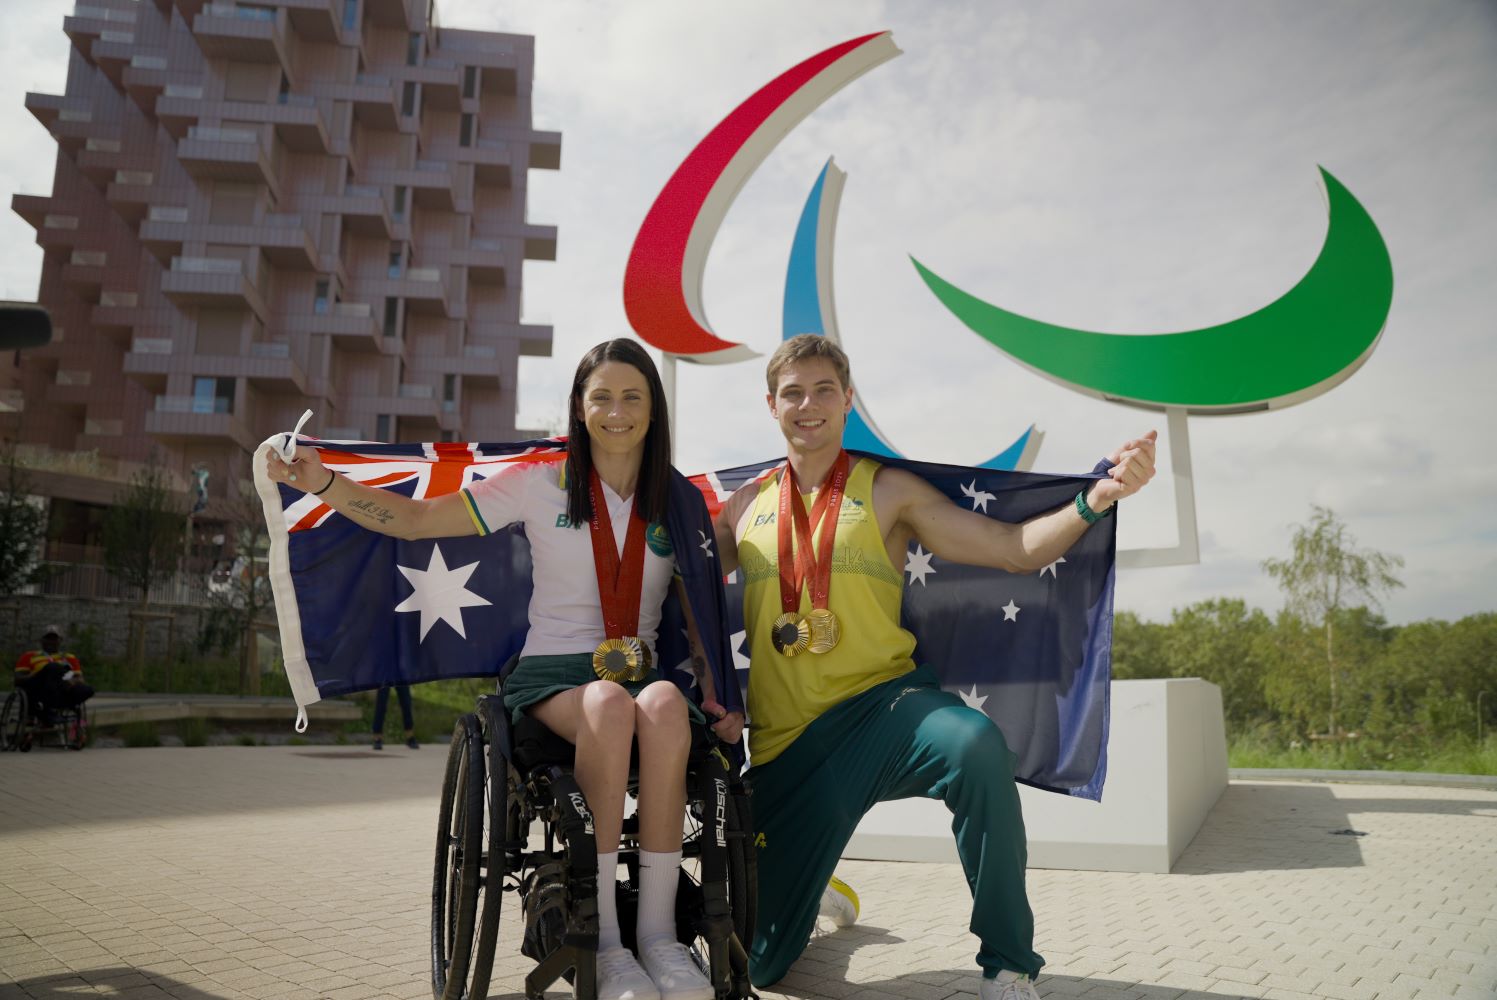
column 1032, row 651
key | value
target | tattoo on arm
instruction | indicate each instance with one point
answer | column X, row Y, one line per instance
column 372, row 510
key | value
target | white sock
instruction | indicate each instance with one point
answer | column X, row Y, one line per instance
column 608, row 906
column 659, row 874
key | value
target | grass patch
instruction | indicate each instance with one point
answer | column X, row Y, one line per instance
column 245, row 739
column 140, row 734
column 436, row 707
column 1455, row 757
column 193, row 732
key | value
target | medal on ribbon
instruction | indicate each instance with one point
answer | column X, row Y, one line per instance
column 817, row 631
column 621, row 656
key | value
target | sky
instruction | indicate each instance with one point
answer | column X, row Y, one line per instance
column 1135, row 167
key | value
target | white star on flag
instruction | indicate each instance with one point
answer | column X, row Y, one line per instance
column 917, row 564
column 684, row 667
column 978, row 497
column 1010, row 611
column 740, row 662
column 1051, row 568
column 439, row 593
column 972, row 699
column 706, row 543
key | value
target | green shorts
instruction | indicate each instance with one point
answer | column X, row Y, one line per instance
column 536, row 678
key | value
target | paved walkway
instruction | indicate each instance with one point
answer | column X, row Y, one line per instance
column 217, row 873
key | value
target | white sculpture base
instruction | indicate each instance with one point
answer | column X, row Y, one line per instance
column 1166, row 767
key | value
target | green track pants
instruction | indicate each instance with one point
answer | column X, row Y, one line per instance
column 905, row 738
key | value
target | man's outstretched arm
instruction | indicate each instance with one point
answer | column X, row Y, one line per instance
column 965, row 536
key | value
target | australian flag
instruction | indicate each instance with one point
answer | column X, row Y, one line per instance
column 1032, row 651
column 359, row 610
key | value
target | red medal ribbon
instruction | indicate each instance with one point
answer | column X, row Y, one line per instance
column 619, row 582
column 806, row 562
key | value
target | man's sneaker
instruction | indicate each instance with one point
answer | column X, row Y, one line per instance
column 379, row 744
column 411, row 742
column 1008, row 986
column 839, row 903
column 675, row 973
column 621, row 978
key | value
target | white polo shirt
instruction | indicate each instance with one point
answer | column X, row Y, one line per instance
column 566, row 615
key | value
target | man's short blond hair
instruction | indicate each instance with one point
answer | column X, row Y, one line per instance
column 801, row 347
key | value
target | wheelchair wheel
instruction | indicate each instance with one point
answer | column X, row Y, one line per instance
column 459, row 856
column 499, row 829
column 13, row 721
column 75, row 728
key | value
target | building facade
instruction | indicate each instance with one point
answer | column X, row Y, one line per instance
column 263, row 207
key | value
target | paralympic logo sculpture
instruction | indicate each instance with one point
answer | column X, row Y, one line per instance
column 1306, row 342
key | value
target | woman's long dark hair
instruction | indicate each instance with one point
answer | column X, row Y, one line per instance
column 653, row 489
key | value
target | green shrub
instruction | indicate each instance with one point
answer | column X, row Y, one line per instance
column 140, row 734
column 245, row 739
column 194, row 732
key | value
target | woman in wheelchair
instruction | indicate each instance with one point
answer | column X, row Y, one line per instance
column 602, row 564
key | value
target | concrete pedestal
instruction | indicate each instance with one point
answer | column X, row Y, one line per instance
column 1167, row 766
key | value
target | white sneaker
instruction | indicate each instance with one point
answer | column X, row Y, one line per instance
column 621, row 978
column 675, row 972
column 1008, row 986
column 839, row 903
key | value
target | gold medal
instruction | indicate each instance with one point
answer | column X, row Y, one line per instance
column 621, row 660
column 825, row 630
column 790, row 634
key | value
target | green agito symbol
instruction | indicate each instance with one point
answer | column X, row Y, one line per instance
column 1308, row 341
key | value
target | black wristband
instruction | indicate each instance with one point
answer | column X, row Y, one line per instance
column 331, row 475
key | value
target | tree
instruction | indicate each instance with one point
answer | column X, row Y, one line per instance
column 242, row 598
column 1222, row 641
column 1324, row 574
column 23, row 528
column 143, row 537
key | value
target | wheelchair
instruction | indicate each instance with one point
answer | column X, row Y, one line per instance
column 21, row 725
column 501, row 780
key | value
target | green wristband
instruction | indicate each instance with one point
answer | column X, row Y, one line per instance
column 1085, row 509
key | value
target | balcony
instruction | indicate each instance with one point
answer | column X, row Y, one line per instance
column 87, row 25
column 273, row 367
column 391, row 13
column 441, row 82
column 84, row 272
column 373, row 98
column 423, row 289
column 182, row 420
column 179, row 107
column 149, row 361
column 116, row 315
column 69, row 120
column 226, row 154
column 112, row 52
column 535, row 341
column 317, row 20
column 541, row 150
column 498, row 61
column 56, row 222
column 282, row 238
column 145, row 80
column 490, row 159
column 351, row 326
column 101, row 157
column 71, row 387
column 130, row 194
column 211, row 281
column 243, row 34
column 486, row 258
column 431, row 183
column 12, row 401
column 364, row 210
column 537, row 242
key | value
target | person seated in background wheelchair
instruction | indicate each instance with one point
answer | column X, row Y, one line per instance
column 602, row 564
column 52, row 679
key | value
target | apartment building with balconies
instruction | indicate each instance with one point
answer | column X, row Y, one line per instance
column 262, row 207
